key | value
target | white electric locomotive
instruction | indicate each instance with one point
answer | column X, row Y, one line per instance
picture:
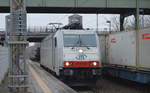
column 72, row 53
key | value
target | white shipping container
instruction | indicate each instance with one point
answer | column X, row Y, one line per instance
column 144, row 48
column 124, row 50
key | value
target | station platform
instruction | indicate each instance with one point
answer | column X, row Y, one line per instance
column 44, row 82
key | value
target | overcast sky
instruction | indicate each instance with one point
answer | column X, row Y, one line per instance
column 89, row 20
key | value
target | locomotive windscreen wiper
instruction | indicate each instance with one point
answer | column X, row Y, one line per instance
column 79, row 43
column 75, row 44
column 83, row 45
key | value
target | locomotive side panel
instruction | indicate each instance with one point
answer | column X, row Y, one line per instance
column 58, row 51
column 47, row 53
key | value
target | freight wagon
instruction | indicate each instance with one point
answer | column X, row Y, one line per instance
column 128, row 55
column 72, row 53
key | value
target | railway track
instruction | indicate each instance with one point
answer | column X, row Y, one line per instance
column 114, row 85
column 111, row 85
column 84, row 89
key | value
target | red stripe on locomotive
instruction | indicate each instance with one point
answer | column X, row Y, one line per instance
column 77, row 64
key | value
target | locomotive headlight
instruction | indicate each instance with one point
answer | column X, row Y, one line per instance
column 80, row 51
column 67, row 63
column 95, row 63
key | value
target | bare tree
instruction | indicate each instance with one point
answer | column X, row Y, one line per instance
column 147, row 20
column 115, row 23
column 129, row 22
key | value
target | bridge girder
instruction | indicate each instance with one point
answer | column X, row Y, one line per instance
column 80, row 6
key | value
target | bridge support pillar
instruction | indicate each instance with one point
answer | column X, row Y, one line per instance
column 122, row 17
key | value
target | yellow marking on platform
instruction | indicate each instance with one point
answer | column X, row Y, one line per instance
column 40, row 81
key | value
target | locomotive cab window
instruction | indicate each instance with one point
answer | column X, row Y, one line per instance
column 84, row 40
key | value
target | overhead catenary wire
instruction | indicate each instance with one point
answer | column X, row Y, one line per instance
column 76, row 4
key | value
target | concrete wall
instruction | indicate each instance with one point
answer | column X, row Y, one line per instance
column 4, row 64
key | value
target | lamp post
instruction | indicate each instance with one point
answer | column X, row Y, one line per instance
column 97, row 22
column 109, row 22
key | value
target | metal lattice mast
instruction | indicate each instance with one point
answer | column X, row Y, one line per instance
column 18, row 76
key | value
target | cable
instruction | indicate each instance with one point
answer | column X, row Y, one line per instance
column 75, row 6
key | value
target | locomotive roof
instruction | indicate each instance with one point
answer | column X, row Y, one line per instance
column 78, row 31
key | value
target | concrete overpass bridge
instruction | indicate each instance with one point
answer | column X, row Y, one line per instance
column 37, row 36
column 38, row 33
column 81, row 6
column 32, row 35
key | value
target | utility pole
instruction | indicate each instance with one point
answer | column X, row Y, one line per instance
column 97, row 22
column 18, row 76
column 137, row 27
